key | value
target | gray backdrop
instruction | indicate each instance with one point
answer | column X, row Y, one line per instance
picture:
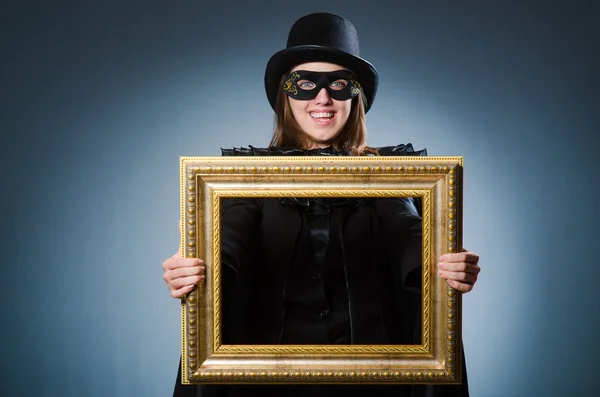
column 99, row 100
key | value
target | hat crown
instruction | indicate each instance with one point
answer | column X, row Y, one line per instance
column 325, row 30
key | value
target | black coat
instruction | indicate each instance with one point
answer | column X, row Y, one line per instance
column 381, row 245
column 381, row 255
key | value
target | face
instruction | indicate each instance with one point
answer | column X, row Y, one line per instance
column 316, row 110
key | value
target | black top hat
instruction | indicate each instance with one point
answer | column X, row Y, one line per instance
column 321, row 37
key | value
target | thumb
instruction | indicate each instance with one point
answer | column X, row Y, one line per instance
column 178, row 253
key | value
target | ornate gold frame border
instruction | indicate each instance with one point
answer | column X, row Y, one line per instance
column 205, row 180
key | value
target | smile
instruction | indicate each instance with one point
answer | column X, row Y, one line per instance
column 321, row 115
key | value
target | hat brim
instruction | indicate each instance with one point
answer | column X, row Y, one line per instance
column 283, row 61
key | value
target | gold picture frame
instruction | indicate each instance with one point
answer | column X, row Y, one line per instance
column 436, row 180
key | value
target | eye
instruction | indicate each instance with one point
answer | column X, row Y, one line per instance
column 306, row 84
column 338, row 85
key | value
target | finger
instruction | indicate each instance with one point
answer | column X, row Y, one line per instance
column 181, row 292
column 459, row 267
column 175, row 263
column 171, row 275
column 461, row 287
column 462, row 277
column 185, row 272
column 178, row 253
column 467, row 256
column 183, row 281
column 466, row 250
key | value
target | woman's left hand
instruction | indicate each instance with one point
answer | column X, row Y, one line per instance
column 460, row 269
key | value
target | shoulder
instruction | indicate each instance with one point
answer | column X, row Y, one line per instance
column 397, row 150
column 389, row 208
column 256, row 151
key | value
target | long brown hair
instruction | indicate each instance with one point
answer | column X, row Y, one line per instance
column 288, row 134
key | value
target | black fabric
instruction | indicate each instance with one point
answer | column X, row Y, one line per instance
column 398, row 150
column 380, row 249
column 305, row 85
column 316, row 299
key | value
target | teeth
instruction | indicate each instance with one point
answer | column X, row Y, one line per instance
column 321, row 115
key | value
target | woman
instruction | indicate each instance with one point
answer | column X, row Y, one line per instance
column 321, row 270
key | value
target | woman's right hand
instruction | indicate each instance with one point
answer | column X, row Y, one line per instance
column 182, row 274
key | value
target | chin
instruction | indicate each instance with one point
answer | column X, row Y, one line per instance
column 322, row 139
column 323, row 135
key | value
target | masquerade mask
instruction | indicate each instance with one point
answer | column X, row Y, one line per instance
column 304, row 85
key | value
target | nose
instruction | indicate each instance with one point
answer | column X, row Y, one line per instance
column 323, row 97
